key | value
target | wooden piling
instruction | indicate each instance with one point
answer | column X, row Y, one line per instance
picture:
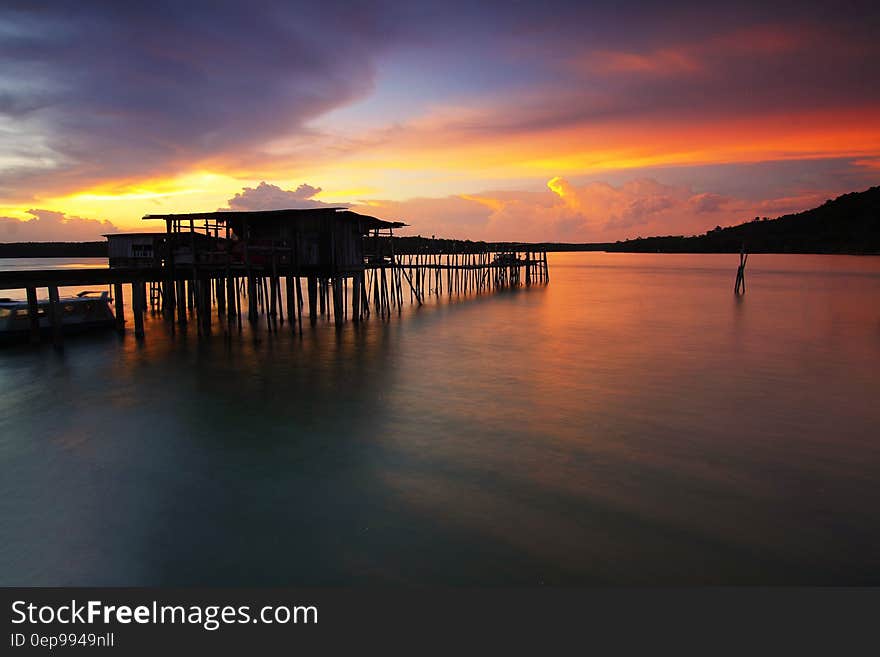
column 120, row 307
column 33, row 315
column 220, row 286
column 137, row 307
column 231, row 311
column 356, row 297
column 289, row 300
column 252, row 298
column 338, row 313
column 312, row 282
column 55, row 316
column 739, row 287
column 205, row 288
column 181, row 304
column 299, row 305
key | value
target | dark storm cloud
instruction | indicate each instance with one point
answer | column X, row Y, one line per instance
column 123, row 89
column 683, row 62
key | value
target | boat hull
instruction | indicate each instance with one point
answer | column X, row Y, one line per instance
column 17, row 336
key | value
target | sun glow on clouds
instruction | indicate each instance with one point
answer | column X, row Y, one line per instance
column 661, row 62
column 594, row 212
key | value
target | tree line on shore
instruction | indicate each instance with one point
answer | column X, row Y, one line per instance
column 849, row 224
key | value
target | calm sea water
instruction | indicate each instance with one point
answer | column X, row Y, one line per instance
column 630, row 423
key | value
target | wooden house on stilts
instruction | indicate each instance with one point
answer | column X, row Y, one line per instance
column 207, row 261
column 326, row 246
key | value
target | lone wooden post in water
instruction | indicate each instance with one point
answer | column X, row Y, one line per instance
column 741, row 273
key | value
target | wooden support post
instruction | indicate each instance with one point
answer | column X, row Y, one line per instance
column 365, row 295
column 120, row 307
column 143, row 291
column 313, row 298
column 413, row 287
column 376, row 299
column 264, row 288
column 356, row 297
column 338, row 315
column 169, row 300
column 55, row 316
column 230, row 297
column 33, row 314
column 198, row 300
column 280, row 303
column 299, row 305
column 273, row 297
column 344, row 297
column 291, row 303
column 221, row 296
column 252, row 298
column 205, row 297
column 181, row 302
column 741, row 272
column 137, row 307
column 238, row 305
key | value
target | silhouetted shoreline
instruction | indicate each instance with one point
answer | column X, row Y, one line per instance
column 847, row 225
column 53, row 250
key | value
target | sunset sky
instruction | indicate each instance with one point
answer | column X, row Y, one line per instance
column 567, row 121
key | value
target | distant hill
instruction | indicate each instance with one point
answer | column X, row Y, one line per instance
column 848, row 224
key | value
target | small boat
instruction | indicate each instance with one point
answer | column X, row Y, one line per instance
column 87, row 311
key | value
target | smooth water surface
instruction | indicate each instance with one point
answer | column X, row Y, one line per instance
column 632, row 422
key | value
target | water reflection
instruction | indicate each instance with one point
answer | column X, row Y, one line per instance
column 632, row 422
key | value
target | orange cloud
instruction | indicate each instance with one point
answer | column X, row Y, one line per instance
column 475, row 145
column 695, row 55
column 52, row 226
column 659, row 62
column 594, row 212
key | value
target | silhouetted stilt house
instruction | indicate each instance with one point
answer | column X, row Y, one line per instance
column 324, row 245
column 209, row 261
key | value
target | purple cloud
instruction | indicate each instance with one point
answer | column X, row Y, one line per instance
column 271, row 197
column 52, row 226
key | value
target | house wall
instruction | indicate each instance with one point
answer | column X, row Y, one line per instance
column 321, row 242
column 131, row 251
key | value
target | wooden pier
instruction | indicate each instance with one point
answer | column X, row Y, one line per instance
column 275, row 267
